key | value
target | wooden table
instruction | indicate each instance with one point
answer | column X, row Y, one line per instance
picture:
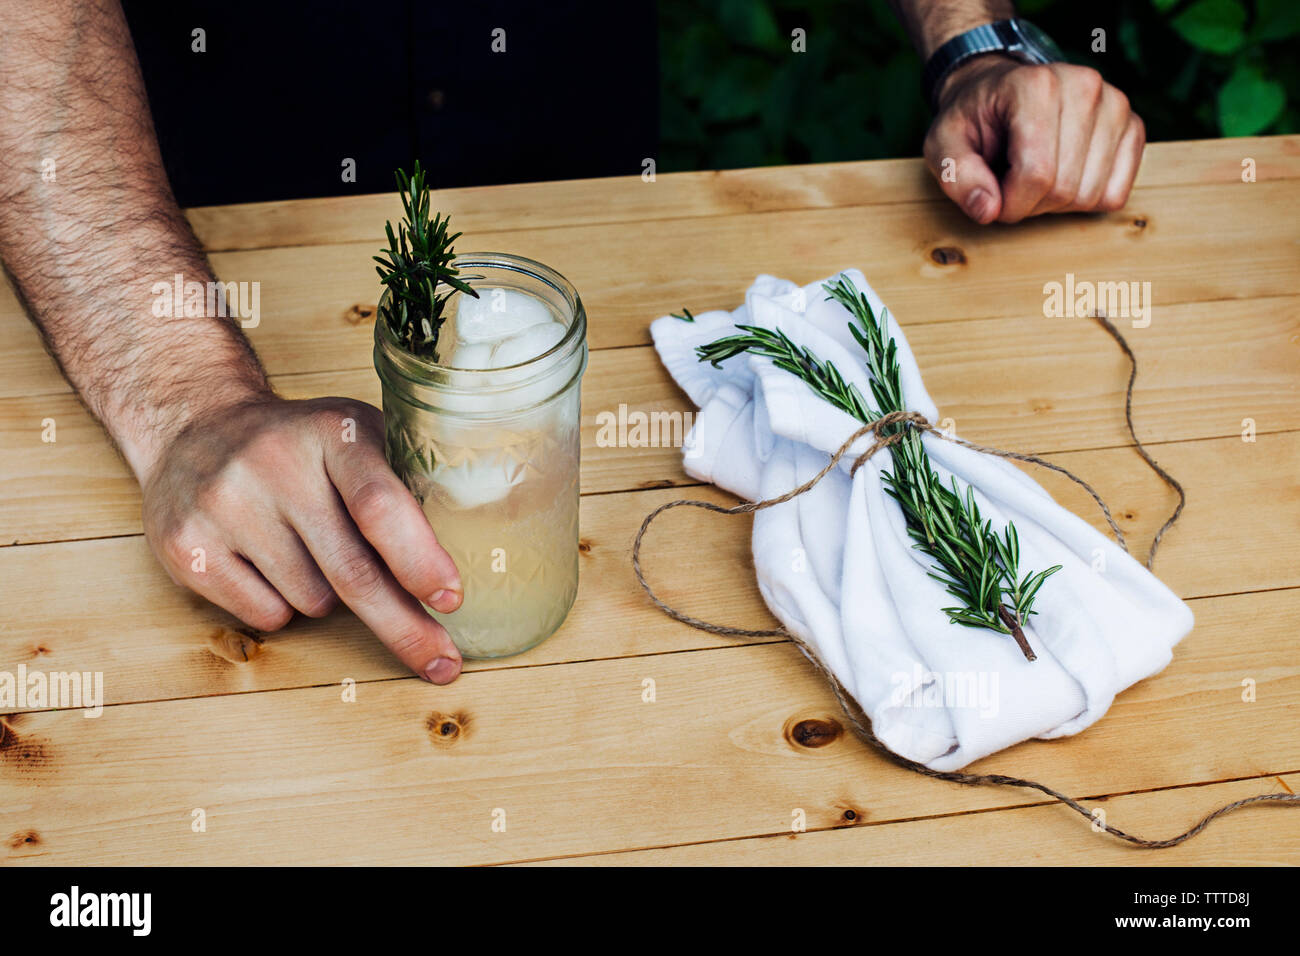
column 561, row 743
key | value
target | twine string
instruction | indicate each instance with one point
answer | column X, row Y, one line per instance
column 857, row 718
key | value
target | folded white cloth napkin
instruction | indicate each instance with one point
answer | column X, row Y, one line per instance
column 837, row 567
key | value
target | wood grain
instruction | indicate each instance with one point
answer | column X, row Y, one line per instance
column 581, row 763
column 1031, row 836
column 685, row 195
column 107, row 606
column 309, row 294
column 991, row 377
column 253, row 729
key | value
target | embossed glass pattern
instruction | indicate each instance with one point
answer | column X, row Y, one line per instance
column 492, row 456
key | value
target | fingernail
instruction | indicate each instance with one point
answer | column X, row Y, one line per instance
column 443, row 670
column 978, row 204
column 444, row 600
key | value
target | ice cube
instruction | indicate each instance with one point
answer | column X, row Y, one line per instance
column 527, row 345
column 498, row 314
column 473, row 483
column 476, row 356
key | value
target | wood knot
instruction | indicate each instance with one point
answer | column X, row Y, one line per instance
column 1140, row 223
column 851, row 815
column 24, row 838
column 237, row 646
column 359, row 314
column 17, row 750
column 948, row 256
column 813, row 732
column 40, row 650
column 656, row 483
column 584, row 545
column 446, row 729
column 1129, row 516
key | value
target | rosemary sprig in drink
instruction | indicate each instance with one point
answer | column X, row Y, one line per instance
column 418, row 260
column 976, row 566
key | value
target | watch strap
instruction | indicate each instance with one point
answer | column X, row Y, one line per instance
column 998, row 37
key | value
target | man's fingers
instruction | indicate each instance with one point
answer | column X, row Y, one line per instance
column 282, row 558
column 1081, row 97
column 1128, row 157
column 360, row 578
column 1033, row 116
column 961, row 171
column 392, row 521
column 230, row 582
column 1112, row 122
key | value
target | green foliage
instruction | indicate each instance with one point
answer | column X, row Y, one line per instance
column 1232, row 63
column 1218, row 26
column 735, row 93
column 1248, row 102
column 418, row 264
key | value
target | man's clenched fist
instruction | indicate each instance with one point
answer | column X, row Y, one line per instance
column 1060, row 138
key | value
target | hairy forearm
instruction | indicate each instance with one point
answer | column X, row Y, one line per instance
column 932, row 23
column 88, row 225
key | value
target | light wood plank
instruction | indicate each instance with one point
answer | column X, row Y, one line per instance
column 255, row 731
column 1027, row 836
column 577, row 202
column 580, row 763
column 309, row 294
column 684, row 195
column 1241, row 518
column 993, row 377
column 106, row 606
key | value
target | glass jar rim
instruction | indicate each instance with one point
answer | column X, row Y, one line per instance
column 393, row 360
column 496, row 260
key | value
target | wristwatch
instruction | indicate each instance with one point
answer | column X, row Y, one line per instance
column 1017, row 38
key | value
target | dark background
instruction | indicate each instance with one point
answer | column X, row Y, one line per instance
column 287, row 90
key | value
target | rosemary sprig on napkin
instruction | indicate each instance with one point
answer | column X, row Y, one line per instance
column 419, row 259
column 976, row 566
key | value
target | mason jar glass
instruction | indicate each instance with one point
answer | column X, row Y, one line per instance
column 492, row 457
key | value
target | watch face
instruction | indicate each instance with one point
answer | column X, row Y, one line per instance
column 1039, row 42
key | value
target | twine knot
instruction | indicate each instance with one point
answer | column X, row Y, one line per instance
column 883, row 440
